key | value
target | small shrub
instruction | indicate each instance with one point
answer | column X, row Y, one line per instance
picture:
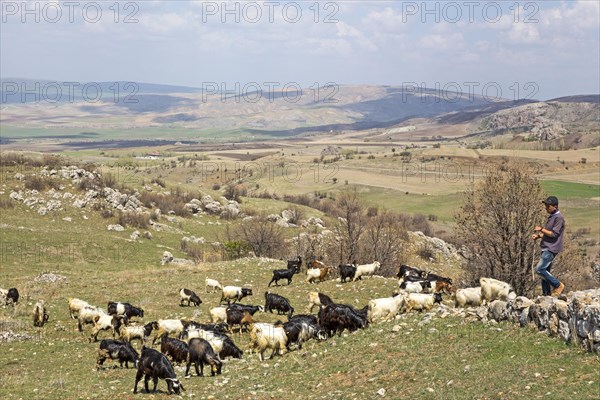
column 106, row 214
column 159, row 182
column 6, row 203
column 195, row 251
column 133, row 219
column 426, row 252
column 34, row 182
column 108, row 180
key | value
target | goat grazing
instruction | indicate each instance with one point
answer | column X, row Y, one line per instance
column 126, row 309
column 168, row 326
column 116, row 350
column 335, row 318
column 40, row 315
column 155, row 365
column 267, row 336
column 279, row 303
column 234, row 293
column 189, row 296
column 212, row 284
column 200, row 353
column 175, row 348
column 140, row 332
column 318, row 299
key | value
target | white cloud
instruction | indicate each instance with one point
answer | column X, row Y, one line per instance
column 523, row 33
column 443, row 42
column 386, row 21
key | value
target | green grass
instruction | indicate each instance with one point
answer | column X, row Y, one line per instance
column 448, row 358
column 443, row 206
column 570, row 190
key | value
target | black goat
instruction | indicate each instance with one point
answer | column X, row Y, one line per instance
column 434, row 277
column 201, row 352
column 308, row 318
column 347, row 271
column 230, row 349
column 243, row 307
column 297, row 264
column 407, row 270
column 154, row 365
column 335, row 318
column 10, row 296
column 293, row 268
column 116, row 350
column 175, row 348
column 279, row 303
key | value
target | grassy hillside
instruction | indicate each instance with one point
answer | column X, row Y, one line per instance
column 424, row 356
column 450, row 357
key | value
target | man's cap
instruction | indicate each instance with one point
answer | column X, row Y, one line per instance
column 551, row 200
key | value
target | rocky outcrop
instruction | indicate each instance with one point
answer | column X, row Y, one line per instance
column 574, row 319
column 167, row 258
column 543, row 120
column 446, row 250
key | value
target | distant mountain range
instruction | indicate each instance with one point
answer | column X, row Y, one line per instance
column 30, row 107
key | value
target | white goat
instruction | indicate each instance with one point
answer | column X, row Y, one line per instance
column 213, row 284
column 386, row 307
column 468, row 297
column 493, row 289
column 422, row 301
column 267, row 336
column 166, row 327
column 75, row 305
column 218, row 314
column 366, row 270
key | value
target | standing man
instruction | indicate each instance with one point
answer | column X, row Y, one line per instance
column 552, row 243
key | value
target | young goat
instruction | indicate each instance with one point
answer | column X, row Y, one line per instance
column 200, row 353
column 190, row 296
column 40, row 315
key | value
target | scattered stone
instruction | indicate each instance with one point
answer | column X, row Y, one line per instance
column 49, row 277
column 9, row 336
column 116, row 228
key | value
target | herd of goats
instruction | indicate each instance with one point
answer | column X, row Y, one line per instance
column 186, row 341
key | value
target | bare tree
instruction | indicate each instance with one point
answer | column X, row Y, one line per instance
column 351, row 223
column 384, row 241
column 264, row 237
column 496, row 222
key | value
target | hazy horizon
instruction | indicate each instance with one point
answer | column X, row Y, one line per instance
column 529, row 50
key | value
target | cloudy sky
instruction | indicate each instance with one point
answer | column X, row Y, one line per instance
column 525, row 49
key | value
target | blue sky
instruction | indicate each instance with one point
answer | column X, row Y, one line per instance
column 540, row 49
